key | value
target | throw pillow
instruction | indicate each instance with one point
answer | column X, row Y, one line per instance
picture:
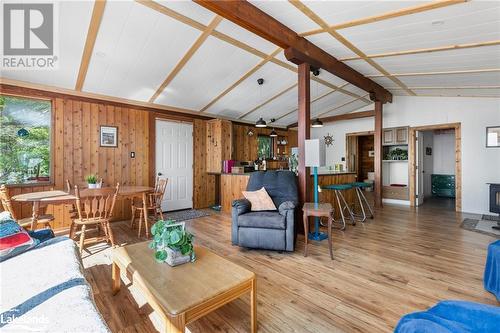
column 260, row 200
column 14, row 239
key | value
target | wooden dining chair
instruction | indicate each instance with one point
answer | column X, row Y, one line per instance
column 94, row 207
column 26, row 222
column 154, row 200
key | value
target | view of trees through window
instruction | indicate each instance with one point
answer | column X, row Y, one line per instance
column 24, row 140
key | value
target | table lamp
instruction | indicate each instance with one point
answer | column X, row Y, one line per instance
column 315, row 157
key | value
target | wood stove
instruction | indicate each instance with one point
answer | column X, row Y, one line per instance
column 495, row 200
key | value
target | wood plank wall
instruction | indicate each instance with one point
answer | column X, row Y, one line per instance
column 76, row 151
column 366, row 163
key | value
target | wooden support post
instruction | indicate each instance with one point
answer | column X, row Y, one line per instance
column 378, row 153
column 304, row 129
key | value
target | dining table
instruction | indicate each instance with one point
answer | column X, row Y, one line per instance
column 59, row 197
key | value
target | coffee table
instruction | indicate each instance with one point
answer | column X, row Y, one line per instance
column 187, row 292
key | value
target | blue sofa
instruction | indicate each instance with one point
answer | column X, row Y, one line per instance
column 452, row 317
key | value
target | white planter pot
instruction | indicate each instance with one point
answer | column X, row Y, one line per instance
column 175, row 258
column 92, row 185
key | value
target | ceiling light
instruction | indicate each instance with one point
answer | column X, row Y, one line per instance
column 260, row 123
column 273, row 134
column 317, row 123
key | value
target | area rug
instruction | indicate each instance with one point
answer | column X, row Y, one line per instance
column 481, row 226
column 184, row 215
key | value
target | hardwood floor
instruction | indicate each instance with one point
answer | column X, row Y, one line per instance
column 402, row 261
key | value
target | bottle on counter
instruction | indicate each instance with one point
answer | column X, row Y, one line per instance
column 264, row 165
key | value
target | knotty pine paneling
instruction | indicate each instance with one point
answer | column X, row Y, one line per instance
column 76, row 151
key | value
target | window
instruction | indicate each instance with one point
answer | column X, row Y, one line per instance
column 264, row 147
column 24, row 140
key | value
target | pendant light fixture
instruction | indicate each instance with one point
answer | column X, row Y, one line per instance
column 261, row 123
column 317, row 123
column 273, row 134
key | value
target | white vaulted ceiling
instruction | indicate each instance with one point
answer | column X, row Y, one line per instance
column 177, row 54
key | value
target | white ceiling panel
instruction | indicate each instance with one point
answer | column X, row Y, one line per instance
column 356, row 105
column 276, row 108
column 248, row 94
column 287, row 120
column 189, row 9
column 245, row 36
column 213, row 68
column 460, row 92
column 331, row 45
column 383, row 81
column 362, row 66
column 286, row 14
column 470, row 22
column 335, row 12
column 356, row 90
column 281, row 56
column 328, row 103
column 453, row 80
column 74, row 20
column 135, row 50
column 464, row 59
column 327, row 76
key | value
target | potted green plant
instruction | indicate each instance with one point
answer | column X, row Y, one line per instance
column 172, row 243
column 92, row 181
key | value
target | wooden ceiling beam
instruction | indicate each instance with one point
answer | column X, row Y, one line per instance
column 253, row 19
column 189, row 54
column 386, row 16
column 426, row 50
column 345, row 116
column 95, row 23
column 319, row 21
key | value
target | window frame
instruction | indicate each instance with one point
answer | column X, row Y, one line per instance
column 52, row 101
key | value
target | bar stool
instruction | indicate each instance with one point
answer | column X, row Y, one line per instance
column 358, row 186
column 343, row 206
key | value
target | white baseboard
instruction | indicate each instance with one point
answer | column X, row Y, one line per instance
column 396, row 202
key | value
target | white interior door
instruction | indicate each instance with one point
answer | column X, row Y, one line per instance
column 174, row 160
column 419, row 172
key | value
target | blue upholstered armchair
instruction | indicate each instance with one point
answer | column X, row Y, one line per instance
column 271, row 230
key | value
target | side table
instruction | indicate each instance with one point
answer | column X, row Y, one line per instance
column 318, row 210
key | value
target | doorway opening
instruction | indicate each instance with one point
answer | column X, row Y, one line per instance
column 435, row 159
column 360, row 158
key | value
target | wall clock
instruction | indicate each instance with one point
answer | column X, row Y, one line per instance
column 328, row 140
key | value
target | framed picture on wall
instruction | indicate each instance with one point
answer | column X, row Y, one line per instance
column 109, row 136
column 493, row 137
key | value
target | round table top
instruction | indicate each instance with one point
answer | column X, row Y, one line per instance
column 62, row 196
column 44, row 196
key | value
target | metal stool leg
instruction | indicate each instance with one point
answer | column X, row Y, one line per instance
column 340, row 209
column 363, row 215
column 346, row 206
column 366, row 202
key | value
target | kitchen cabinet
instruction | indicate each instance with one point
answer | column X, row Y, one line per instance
column 219, row 143
column 395, row 136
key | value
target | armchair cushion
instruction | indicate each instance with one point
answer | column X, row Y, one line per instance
column 285, row 207
column 241, row 206
column 262, row 219
column 260, row 200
